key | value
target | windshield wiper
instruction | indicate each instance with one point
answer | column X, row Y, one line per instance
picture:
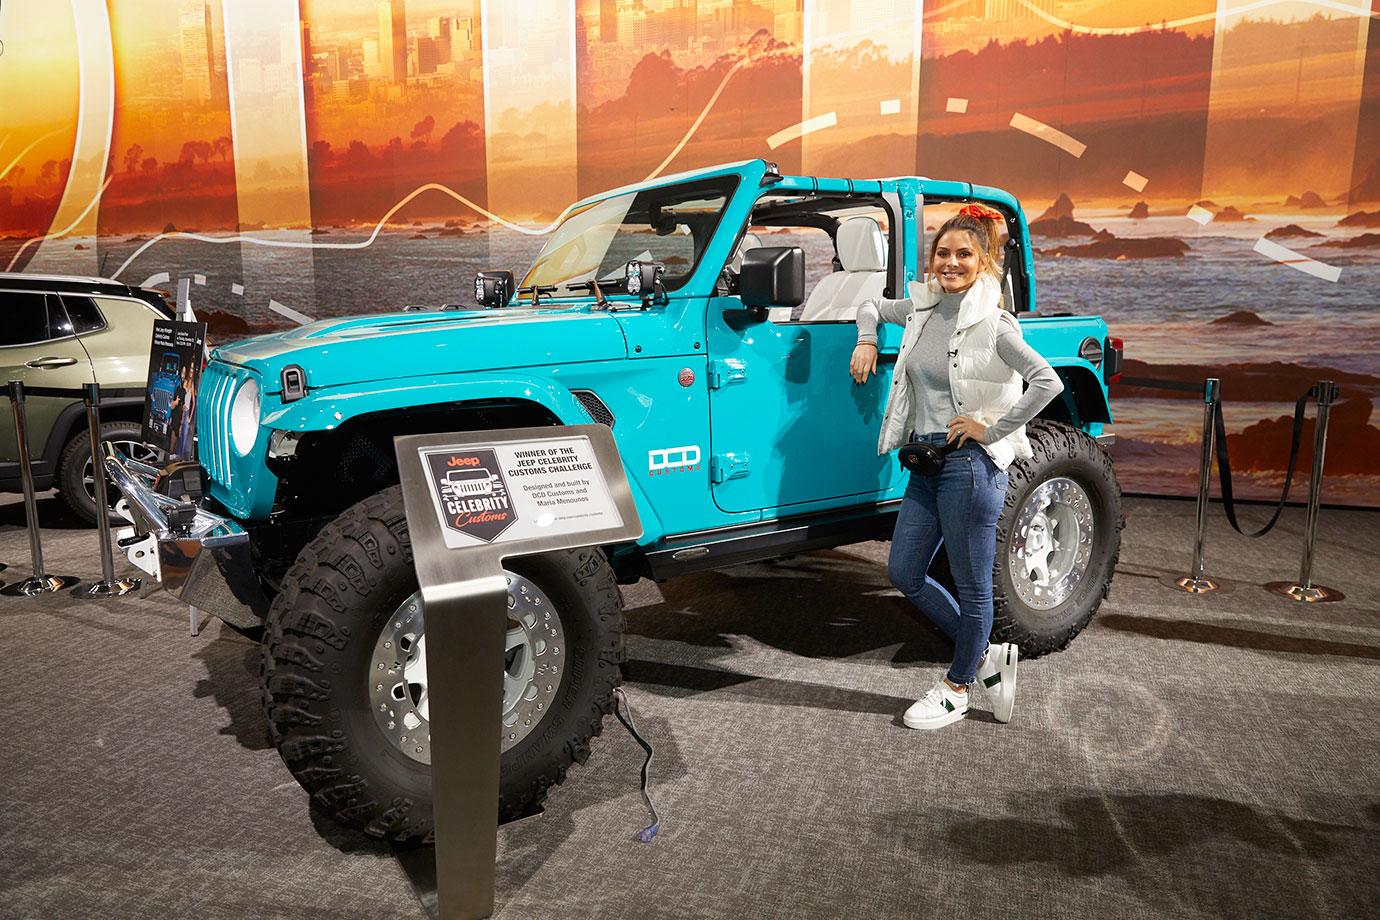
column 536, row 290
column 597, row 288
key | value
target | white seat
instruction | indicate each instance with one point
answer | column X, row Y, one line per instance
column 749, row 241
column 862, row 252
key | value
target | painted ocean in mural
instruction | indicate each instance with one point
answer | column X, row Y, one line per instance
column 1206, row 175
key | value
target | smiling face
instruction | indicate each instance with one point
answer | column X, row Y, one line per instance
column 956, row 261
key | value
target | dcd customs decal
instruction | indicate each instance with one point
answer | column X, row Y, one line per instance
column 473, row 494
column 673, row 460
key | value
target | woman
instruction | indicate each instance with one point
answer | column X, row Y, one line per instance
column 957, row 379
column 182, row 443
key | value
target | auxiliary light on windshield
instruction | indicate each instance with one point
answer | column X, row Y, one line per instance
column 643, row 279
column 492, row 289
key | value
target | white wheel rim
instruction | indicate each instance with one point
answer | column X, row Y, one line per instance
column 534, row 661
column 1051, row 543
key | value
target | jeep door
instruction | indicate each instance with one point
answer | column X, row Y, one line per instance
column 788, row 426
column 38, row 346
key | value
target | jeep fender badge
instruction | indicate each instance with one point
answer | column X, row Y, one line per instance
column 686, row 376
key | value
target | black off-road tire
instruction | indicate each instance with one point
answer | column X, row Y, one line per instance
column 1060, row 451
column 321, row 632
column 72, row 464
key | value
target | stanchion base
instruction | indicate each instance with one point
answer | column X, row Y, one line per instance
column 1312, row 594
column 118, row 588
column 419, row 865
column 1194, row 585
column 35, row 585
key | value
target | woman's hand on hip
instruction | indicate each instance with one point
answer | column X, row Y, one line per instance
column 966, row 429
column 864, row 362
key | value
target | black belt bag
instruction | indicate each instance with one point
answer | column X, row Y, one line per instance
column 924, row 458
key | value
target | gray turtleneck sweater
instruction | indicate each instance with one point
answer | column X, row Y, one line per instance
column 927, row 366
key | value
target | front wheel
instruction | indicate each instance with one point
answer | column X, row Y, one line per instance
column 1058, row 539
column 344, row 675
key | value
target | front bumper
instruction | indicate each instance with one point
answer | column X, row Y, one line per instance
column 207, row 565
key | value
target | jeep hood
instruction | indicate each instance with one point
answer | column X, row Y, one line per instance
column 357, row 349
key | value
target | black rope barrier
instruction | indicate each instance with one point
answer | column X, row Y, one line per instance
column 1224, row 465
column 80, row 392
column 1152, row 383
column 1223, row 461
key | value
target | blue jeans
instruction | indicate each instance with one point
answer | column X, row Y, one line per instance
column 958, row 508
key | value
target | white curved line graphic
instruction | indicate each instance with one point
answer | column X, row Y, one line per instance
column 359, row 244
column 436, row 186
column 704, row 113
column 65, row 230
column 1335, row 5
column 95, row 114
column 23, row 153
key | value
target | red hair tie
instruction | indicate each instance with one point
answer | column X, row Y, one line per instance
column 980, row 212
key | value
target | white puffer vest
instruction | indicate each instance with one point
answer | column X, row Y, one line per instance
column 984, row 386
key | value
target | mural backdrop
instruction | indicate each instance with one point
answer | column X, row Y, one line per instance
column 1206, row 174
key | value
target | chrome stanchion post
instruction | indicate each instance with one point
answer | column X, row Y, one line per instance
column 108, row 585
column 1197, row 582
column 1304, row 589
column 40, row 582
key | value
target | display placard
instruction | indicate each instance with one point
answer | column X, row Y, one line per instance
column 175, row 362
column 517, row 490
column 472, row 499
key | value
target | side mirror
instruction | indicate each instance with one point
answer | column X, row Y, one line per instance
column 492, row 289
column 642, row 279
column 772, row 276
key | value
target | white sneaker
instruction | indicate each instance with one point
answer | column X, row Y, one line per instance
column 941, row 706
column 997, row 674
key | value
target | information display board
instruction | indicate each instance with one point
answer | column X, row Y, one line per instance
column 519, row 490
column 472, row 499
column 175, row 362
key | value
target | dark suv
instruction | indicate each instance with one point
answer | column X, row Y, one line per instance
column 61, row 331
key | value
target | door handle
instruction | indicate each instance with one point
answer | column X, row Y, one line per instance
column 50, row 362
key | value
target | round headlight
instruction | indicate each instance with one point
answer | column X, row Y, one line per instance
column 244, row 418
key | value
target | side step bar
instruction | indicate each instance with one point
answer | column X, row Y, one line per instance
column 771, row 540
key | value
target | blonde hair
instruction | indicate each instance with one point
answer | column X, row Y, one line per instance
column 983, row 230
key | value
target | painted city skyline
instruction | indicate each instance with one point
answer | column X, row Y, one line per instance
column 299, row 152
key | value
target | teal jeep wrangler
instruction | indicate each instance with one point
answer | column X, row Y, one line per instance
column 707, row 319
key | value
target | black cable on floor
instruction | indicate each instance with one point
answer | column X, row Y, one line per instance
column 620, row 704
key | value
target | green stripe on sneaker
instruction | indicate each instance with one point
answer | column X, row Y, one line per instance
column 949, row 706
column 992, row 681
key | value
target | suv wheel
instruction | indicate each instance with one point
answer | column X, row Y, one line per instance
column 75, row 480
column 344, row 683
column 1058, row 539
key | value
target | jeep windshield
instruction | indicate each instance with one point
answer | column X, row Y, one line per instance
column 671, row 224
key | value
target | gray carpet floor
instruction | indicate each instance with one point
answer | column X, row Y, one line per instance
column 1186, row 757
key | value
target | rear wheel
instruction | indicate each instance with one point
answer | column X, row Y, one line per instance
column 344, row 672
column 1058, row 539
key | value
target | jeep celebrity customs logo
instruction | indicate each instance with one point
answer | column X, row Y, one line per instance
column 472, row 491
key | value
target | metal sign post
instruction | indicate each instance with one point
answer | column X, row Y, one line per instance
column 473, row 499
column 1304, row 590
column 108, row 586
column 1197, row 582
column 40, row 582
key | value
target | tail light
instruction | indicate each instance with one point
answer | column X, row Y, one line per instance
column 1111, row 368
